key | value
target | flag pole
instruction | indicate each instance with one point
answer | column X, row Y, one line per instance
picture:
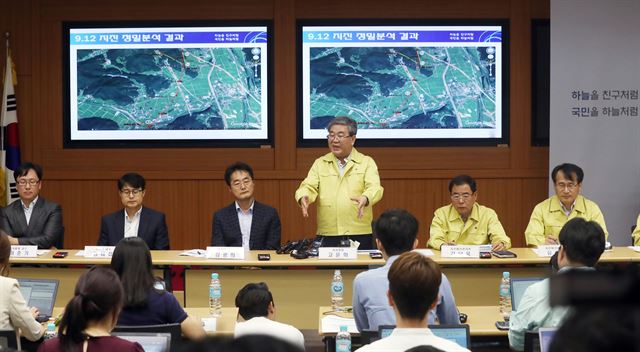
column 4, row 94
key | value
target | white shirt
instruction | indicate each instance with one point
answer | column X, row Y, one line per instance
column 28, row 210
column 245, row 218
column 131, row 224
column 343, row 166
column 401, row 340
column 266, row 326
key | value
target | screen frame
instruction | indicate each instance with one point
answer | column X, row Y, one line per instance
column 68, row 143
column 408, row 142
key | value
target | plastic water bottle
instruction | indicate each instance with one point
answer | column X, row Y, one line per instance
column 337, row 291
column 343, row 340
column 50, row 332
column 215, row 296
column 505, row 296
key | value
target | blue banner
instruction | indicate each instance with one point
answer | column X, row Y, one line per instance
column 402, row 36
column 166, row 37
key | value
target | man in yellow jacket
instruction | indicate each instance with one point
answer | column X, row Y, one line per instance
column 464, row 221
column 346, row 185
column 549, row 216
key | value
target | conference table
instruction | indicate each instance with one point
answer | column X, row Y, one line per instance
column 300, row 286
column 481, row 320
column 225, row 324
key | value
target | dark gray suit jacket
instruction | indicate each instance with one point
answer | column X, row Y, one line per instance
column 152, row 229
column 45, row 228
column 265, row 228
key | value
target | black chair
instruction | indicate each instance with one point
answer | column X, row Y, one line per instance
column 8, row 339
column 172, row 329
column 531, row 341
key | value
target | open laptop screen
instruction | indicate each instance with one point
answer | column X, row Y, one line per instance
column 150, row 341
column 456, row 333
column 546, row 334
column 518, row 286
column 40, row 293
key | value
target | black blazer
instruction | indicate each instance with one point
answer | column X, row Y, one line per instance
column 152, row 229
column 265, row 228
column 45, row 228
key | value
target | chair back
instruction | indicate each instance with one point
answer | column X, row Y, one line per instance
column 172, row 329
column 531, row 341
column 8, row 339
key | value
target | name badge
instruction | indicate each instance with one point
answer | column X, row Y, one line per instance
column 20, row 251
column 463, row 251
column 546, row 250
column 98, row 251
column 231, row 253
column 337, row 253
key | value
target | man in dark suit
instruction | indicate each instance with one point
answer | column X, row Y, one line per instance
column 134, row 220
column 245, row 223
column 32, row 220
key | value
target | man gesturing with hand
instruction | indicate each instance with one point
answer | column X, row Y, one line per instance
column 345, row 184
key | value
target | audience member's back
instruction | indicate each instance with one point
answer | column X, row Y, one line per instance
column 255, row 304
column 145, row 303
column 247, row 343
column 395, row 232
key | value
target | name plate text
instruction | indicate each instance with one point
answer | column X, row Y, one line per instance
column 98, row 251
column 230, row 253
column 23, row 251
column 338, row 253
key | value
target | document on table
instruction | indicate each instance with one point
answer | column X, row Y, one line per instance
column 200, row 253
column 331, row 324
column 209, row 324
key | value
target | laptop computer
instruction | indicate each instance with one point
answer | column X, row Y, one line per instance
column 40, row 293
column 546, row 334
column 518, row 286
column 385, row 330
column 459, row 334
column 150, row 341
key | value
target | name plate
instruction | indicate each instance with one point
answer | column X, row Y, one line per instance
column 231, row 253
column 337, row 253
column 546, row 250
column 20, row 251
column 462, row 251
column 98, row 251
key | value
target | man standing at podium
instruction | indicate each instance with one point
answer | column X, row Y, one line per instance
column 346, row 185
column 549, row 216
column 32, row 220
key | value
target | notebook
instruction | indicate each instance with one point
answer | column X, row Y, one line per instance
column 40, row 293
column 518, row 286
column 456, row 333
column 150, row 341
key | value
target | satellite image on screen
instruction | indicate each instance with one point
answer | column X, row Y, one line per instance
column 169, row 89
column 404, row 87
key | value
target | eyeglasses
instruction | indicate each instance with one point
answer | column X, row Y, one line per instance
column 339, row 137
column 31, row 182
column 463, row 196
column 239, row 184
column 129, row 192
column 570, row 186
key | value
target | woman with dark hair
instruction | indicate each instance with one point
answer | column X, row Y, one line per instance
column 90, row 316
column 14, row 312
column 146, row 302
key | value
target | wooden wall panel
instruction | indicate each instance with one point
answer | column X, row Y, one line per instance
column 187, row 183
